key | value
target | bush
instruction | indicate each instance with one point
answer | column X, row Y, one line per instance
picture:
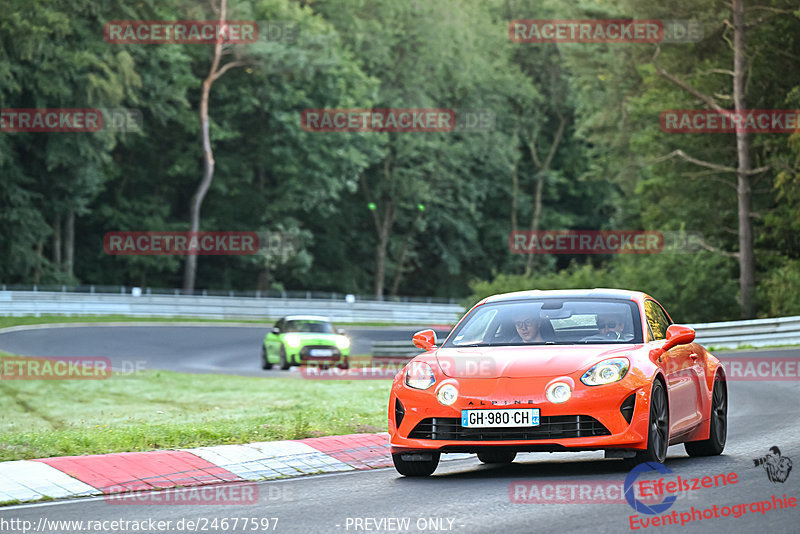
column 781, row 290
column 699, row 287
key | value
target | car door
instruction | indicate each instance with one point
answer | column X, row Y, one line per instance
column 273, row 340
column 679, row 368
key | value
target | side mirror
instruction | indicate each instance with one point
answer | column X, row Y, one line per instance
column 425, row 339
column 678, row 335
column 275, row 330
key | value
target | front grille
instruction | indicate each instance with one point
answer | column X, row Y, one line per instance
column 550, row 427
column 305, row 353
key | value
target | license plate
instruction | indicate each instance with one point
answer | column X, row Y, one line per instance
column 320, row 352
column 499, row 418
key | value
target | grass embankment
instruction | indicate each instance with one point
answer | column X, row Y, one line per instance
column 160, row 409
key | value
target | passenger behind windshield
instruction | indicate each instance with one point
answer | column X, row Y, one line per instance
column 613, row 326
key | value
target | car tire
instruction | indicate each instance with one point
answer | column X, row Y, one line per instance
column 419, row 468
column 657, row 429
column 284, row 363
column 497, row 457
column 264, row 359
column 345, row 364
column 718, row 431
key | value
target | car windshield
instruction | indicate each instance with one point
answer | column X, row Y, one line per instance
column 549, row 321
column 317, row 327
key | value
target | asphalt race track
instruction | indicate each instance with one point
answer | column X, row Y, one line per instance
column 212, row 348
column 476, row 498
column 463, row 495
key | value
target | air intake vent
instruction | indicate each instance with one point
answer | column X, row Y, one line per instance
column 627, row 407
column 399, row 412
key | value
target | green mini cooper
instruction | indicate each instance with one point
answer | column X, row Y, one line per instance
column 302, row 340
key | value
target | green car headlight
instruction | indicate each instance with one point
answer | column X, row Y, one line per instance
column 293, row 340
column 342, row 342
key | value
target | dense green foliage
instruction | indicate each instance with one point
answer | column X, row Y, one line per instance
column 607, row 169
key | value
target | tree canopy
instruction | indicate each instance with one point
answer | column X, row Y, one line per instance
column 574, row 143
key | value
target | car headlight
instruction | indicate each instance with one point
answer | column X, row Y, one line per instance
column 293, row 340
column 606, row 372
column 447, row 394
column 419, row 375
column 559, row 392
column 342, row 342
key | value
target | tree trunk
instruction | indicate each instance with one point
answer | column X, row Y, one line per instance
column 743, row 190
column 743, row 170
column 69, row 243
column 260, row 178
column 398, row 274
column 190, row 272
column 380, row 264
column 383, row 225
column 264, row 279
column 37, row 270
column 57, row 241
column 382, row 246
column 542, row 167
column 515, row 175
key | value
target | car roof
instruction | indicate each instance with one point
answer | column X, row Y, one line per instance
column 598, row 292
column 307, row 318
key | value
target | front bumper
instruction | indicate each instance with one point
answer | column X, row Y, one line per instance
column 302, row 355
column 592, row 419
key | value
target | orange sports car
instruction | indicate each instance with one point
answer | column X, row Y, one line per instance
column 576, row 370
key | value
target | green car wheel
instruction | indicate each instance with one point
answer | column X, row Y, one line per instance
column 265, row 359
column 284, row 363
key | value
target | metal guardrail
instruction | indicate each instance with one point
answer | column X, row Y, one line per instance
column 271, row 293
column 218, row 307
column 755, row 333
column 727, row 335
column 394, row 349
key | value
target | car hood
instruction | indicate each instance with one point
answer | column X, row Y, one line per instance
column 314, row 337
column 522, row 362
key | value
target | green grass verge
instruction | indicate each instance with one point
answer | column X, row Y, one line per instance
column 6, row 321
column 161, row 410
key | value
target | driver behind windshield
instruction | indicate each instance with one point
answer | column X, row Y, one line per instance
column 528, row 326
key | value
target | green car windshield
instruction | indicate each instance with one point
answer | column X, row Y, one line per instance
column 317, row 327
